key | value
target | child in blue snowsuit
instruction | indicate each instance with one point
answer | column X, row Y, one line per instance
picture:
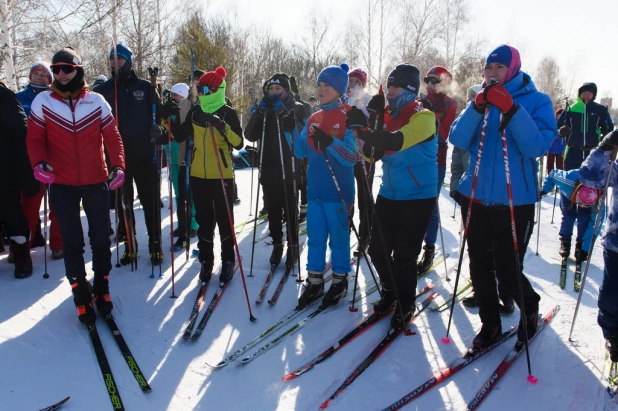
column 326, row 133
column 568, row 183
column 593, row 173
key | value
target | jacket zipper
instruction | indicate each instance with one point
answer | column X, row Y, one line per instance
column 584, row 125
column 413, row 178
column 79, row 181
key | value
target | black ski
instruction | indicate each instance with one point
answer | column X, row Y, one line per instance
column 563, row 272
column 578, row 275
column 195, row 311
column 56, row 405
column 110, row 383
column 126, row 353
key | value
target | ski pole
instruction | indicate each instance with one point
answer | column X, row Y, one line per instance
column 446, row 339
column 230, row 218
column 170, row 188
column 46, row 274
column 554, row 210
column 597, row 226
column 257, row 198
column 518, row 269
column 442, row 237
column 188, row 157
column 538, row 209
column 291, row 233
column 154, row 72
column 116, row 195
column 251, row 196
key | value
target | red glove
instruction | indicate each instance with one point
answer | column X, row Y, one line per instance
column 496, row 95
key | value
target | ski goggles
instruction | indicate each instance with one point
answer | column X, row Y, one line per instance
column 205, row 90
column 65, row 68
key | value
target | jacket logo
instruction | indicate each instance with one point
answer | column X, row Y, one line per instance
column 86, row 102
column 336, row 126
column 138, row 95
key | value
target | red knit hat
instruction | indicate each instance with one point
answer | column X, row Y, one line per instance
column 438, row 72
column 559, row 111
column 213, row 79
column 360, row 74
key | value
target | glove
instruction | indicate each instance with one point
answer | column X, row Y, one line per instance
column 265, row 104
column 456, row 195
column 169, row 109
column 321, row 140
column 44, row 173
column 496, row 95
column 216, row 121
column 376, row 105
column 377, row 153
column 564, row 131
column 355, row 118
column 293, row 85
column 383, row 140
column 156, row 134
column 542, row 193
column 288, row 121
column 279, row 107
column 609, row 141
column 116, row 178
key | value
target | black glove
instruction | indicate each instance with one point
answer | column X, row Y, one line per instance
column 456, row 195
column 288, row 121
column 542, row 193
column 609, row 141
column 383, row 140
column 564, row 131
column 156, row 134
column 376, row 105
column 377, row 153
column 293, row 85
column 168, row 109
column 355, row 118
column 321, row 140
column 215, row 121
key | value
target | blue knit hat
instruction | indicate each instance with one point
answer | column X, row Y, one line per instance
column 336, row 77
column 123, row 53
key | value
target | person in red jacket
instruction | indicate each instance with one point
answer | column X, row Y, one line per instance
column 437, row 81
column 66, row 130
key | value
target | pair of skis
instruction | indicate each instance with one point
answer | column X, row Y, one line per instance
column 470, row 356
column 300, row 232
column 577, row 277
column 283, row 280
column 199, row 301
column 108, row 377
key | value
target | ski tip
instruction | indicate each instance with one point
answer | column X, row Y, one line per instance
column 532, row 379
column 353, row 309
column 445, row 340
column 409, row 332
column 325, row 404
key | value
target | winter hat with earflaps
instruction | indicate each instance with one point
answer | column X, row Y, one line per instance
column 336, row 77
column 212, row 85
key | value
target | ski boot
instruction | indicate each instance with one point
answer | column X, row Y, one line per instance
column 398, row 322
column 236, row 200
column 263, row 213
column 507, row 307
column 227, row 271
column 291, row 257
column 488, row 335
column 180, row 244
column 127, row 256
column 205, row 271
column 387, row 301
column 427, row 260
column 156, row 254
column 21, row 257
column 277, row 253
column 313, row 290
column 302, row 216
column 470, row 301
column 192, row 233
column 100, row 294
column 611, row 343
column 532, row 320
column 565, row 247
column 83, row 301
column 336, row 291
column 57, row 254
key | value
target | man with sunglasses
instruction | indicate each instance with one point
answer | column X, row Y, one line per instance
column 134, row 118
column 437, row 81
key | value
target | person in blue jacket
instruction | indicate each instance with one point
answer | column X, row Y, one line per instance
column 578, row 206
column 594, row 173
column 408, row 147
column 511, row 103
column 327, row 218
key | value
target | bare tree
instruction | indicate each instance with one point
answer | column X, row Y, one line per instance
column 547, row 80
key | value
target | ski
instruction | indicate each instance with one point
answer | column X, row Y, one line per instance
column 126, row 353
column 283, row 280
column 578, row 275
column 110, row 383
column 466, row 359
column 508, row 361
column 377, row 351
column 56, row 405
column 441, row 304
column 361, row 328
column 195, row 311
column 612, row 388
column 211, row 307
column 301, row 232
column 563, row 272
column 242, row 226
column 269, row 279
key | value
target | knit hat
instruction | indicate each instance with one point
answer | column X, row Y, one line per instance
column 41, row 65
column 67, row 56
column 438, row 72
column 405, row 76
column 213, row 79
column 336, row 77
column 360, row 74
column 181, row 89
column 123, row 53
column 591, row 87
column 559, row 112
column 586, row 196
column 508, row 56
column 280, row 79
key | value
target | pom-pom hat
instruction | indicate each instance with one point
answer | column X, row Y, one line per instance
column 336, row 77
column 213, row 79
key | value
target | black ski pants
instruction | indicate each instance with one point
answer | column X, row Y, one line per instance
column 365, row 205
column 397, row 234
column 211, row 210
column 490, row 230
column 12, row 216
column 277, row 211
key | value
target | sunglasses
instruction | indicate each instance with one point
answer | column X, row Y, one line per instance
column 432, row 80
column 65, row 68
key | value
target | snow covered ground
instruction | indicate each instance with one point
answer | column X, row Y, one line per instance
column 45, row 353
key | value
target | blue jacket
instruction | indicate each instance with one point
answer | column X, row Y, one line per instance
column 528, row 136
column 342, row 155
column 566, row 182
column 26, row 96
column 594, row 174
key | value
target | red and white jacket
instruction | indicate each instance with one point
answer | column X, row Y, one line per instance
column 70, row 139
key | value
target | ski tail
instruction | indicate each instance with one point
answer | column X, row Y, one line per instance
column 199, row 301
column 106, row 371
column 56, row 405
column 269, row 279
